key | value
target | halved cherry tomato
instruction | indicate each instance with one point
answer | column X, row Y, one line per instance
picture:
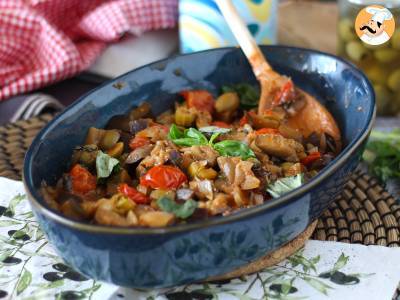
column 221, row 124
column 163, row 177
column 138, row 141
column 313, row 156
column 133, row 194
column 244, row 120
column 82, row 180
column 267, row 131
column 286, row 94
column 199, row 99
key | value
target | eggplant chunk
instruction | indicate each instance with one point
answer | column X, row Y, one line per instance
column 94, row 136
column 277, row 145
column 142, row 111
column 138, row 125
column 120, row 122
column 85, row 155
column 138, row 154
column 110, row 138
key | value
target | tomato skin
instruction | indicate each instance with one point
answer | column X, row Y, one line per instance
column 244, row 120
column 221, row 124
column 268, row 112
column 199, row 99
column 133, row 194
column 163, row 177
column 82, row 180
column 267, row 131
column 286, row 94
column 309, row 159
column 138, row 141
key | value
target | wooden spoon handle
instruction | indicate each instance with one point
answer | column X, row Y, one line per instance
column 243, row 36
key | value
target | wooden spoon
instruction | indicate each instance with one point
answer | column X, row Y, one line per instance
column 313, row 116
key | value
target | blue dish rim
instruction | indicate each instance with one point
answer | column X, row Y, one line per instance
column 33, row 194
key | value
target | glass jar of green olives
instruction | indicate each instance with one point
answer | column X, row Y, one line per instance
column 380, row 63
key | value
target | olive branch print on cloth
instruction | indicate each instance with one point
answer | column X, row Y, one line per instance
column 24, row 249
column 279, row 282
column 30, row 269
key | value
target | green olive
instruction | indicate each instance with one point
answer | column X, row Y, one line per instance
column 394, row 81
column 396, row 40
column 386, row 55
column 346, row 30
column 383, row 99
column 376, row 73
column 356, row 51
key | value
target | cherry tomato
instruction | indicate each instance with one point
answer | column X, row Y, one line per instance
column 286, row 94
column 82, row 180
column 133, row 194
column 199, row 99
column 163, row 177
column 138, row 141
column 313, row 156
column 267, row 131
column 244, row 120
column 221, row 124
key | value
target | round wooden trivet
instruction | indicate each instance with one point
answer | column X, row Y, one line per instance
column 272, row 258
column 365, row 213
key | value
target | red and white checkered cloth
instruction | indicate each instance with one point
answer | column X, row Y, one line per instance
column 43, row 41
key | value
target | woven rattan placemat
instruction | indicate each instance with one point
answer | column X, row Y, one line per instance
column 365, row 213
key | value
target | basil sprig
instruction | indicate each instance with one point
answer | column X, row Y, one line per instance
column 182, row 211
column 193, row 137
column 248, row 94
column 189, row 137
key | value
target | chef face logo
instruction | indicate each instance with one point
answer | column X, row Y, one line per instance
column 375, row 25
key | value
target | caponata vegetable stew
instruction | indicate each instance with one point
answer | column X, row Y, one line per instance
column 209, row 156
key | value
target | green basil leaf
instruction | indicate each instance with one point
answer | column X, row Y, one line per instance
column 248, row 94
column 105, row 164
column 190, row 137
column 182, row 211
column 215, row 129
column 234, row 148
column 197, row 135
column 186, row 142
column 285, row 185
column 175, row 132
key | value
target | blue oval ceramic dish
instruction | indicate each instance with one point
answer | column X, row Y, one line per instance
column 164, row 257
